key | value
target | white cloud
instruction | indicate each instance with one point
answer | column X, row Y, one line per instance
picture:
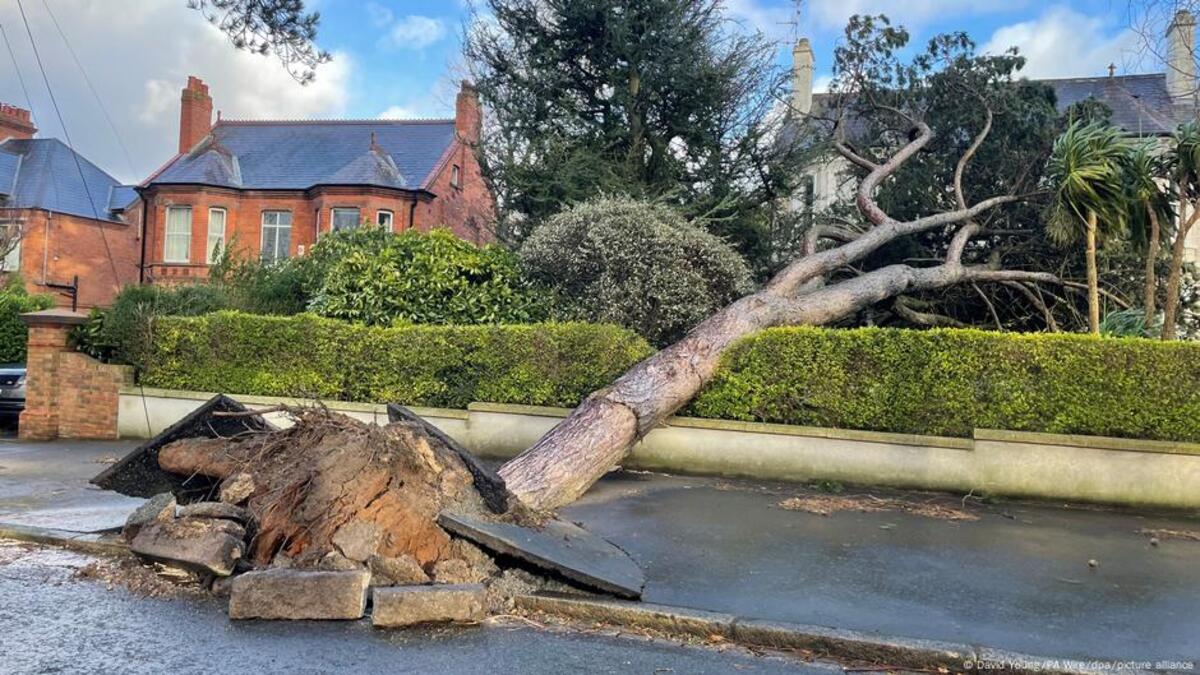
column 1064, row 43
column 139, row 61
column 397, row 112
column 416, row 32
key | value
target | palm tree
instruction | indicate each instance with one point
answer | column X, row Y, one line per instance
column 1087, row 177
column 1150, row 209
column 1185, row 164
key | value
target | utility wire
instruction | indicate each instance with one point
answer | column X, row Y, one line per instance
column 12, row 55
column 95, row 95
column 74, row 155
column 79, row 167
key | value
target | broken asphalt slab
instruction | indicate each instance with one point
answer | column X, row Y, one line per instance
column 558, row 547
column 138, row 474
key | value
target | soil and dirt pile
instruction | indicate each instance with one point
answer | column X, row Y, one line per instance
column 331, row 492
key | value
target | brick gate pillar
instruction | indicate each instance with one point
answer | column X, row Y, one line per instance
column 48, row 330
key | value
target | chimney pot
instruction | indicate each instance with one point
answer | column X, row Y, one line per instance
column 15, row 122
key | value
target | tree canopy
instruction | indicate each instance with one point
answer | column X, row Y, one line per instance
column 660, row 99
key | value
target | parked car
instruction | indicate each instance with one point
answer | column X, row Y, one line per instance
column 12, row 388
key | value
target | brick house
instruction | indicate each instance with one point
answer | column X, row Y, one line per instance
column 270, row 188
column 68, row 214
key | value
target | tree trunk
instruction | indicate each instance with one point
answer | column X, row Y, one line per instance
column 1150, row 291
column 573, row 455
column 1174, row 278
column 1093, row 277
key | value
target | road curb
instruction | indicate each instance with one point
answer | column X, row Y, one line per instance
column 822, row 641
column 78, row 541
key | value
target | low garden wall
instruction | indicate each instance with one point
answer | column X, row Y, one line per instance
column 1082, row 418
column 1021, row 464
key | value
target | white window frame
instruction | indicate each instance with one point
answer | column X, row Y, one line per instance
column 391, row 219
column 184, row 236
column 455, row 176
column 273, row 230
column 215, row 237
column 333, row 217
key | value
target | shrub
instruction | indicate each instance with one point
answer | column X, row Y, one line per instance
column 635, row 264
column 14, row 301
column 948, row 382
column 125, row 330
column 372, row 276
column 258, row 287
column 310, row 356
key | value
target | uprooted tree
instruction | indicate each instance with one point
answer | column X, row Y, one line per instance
column 832, row 280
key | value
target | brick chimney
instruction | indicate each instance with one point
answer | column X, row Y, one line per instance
column 468, row 115
column 15, row 122
column 1181, row 58
column 195, row 114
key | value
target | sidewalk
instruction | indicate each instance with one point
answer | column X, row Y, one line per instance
column 1017, row 578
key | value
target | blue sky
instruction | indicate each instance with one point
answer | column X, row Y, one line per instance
column 401, row 58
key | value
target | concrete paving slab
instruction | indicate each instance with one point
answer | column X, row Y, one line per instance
column 559, row 547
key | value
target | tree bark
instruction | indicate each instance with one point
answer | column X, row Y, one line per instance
column 573, row 455
column 1093, row 277
column 1150, row 290
column 1174, row 279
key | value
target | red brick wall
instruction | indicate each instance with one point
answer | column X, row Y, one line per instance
column 468, row 210
column 90, row 395
column 55, row 247
column 68, row 395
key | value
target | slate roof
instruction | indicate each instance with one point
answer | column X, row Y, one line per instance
column 297, row 155
column 1140, row 104
column 41, row 173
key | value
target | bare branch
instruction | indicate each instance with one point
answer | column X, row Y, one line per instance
column 991, row 307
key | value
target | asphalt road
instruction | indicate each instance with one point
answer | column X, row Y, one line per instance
column 1016, row 578
column 54, row 624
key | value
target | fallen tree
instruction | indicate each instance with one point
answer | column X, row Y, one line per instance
column 820, row 287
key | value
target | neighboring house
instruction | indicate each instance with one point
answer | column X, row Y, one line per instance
column 271, row 188
column 1145, row 106
column 75, row 222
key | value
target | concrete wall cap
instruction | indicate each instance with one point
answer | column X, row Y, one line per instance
column 54, row 317
column 1091, row 442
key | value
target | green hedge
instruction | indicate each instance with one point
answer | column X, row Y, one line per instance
column 947, row 382
column 13, row 333
column 443, row 366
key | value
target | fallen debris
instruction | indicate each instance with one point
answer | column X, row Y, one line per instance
column 158, row 508
column 396, row 606
column 823, row 505
column 299, row 594
column 558, row 547
column 199, row 543
column 315, row 511
column 1157, row 534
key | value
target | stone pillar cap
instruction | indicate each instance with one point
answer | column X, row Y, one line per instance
column 54, row 317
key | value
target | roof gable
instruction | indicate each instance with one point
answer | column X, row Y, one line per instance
column 295, row 155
